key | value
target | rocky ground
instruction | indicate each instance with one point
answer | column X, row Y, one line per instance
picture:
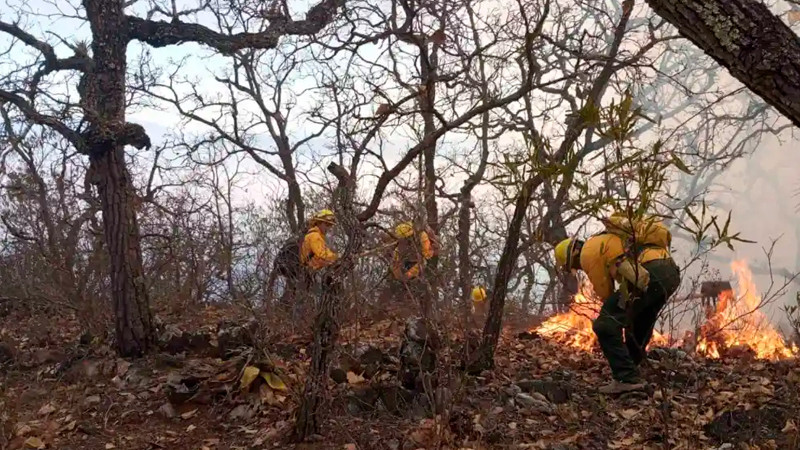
column 222, row 382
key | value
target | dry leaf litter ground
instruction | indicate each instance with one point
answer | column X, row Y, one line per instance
column 60, row 393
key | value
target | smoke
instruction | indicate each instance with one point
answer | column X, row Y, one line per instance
column 762, row 191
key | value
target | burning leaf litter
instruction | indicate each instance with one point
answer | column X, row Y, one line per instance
column 736, row 324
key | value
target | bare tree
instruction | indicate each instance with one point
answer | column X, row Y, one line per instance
column 102, row 91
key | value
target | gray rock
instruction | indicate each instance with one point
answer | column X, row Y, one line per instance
column 529, row 402
column 91, row 400
column 168, row 411
column 555, row 392
column 362, row 399
column 242, row 412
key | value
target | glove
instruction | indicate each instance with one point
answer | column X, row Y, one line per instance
column 636, row 274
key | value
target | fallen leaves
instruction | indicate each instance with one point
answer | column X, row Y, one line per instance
column 274, row 381
column 251, row 373
column 248, row 376
column 23, row 430
column 189, row 414
column 47, row 410
column 354, row 378
column 34, row 442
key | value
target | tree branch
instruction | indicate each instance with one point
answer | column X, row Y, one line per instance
column 161, row 34
column 756, row 46
column 34, row 116
column 51, row 62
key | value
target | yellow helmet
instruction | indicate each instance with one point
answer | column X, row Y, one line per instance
column 563, row 253
column 478, row 294
column 325, row 216
column 404, row 230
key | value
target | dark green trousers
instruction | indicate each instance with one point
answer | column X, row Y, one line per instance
column 637, row 322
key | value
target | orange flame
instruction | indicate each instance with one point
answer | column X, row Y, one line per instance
column 736, row 325
column 574, row 327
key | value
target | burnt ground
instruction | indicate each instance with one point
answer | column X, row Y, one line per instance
column 62, row 392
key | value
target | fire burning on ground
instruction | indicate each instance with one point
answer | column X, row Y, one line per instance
column 736, row 325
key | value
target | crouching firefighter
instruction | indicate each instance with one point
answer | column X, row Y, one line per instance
column 634, row 254
column 412, row 249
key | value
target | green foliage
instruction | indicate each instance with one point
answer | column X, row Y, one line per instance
column 638, row 179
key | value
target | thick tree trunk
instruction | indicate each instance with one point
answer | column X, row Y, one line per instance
column 103, row 99
column 326, row 331
column 757, row 47
column 128, row 292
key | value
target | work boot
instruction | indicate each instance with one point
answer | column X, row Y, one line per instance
column 619, row 387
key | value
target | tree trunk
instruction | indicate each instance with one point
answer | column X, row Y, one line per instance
column 295, row 207
column 326, row 331
column 484, row 358
column 103, row 99
column 428, row 72
column 326, row 325
column 757, row 47
column 128, row 293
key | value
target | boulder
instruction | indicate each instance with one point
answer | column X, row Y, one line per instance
column 362, row 399
column 395, row 399
column 370, row 358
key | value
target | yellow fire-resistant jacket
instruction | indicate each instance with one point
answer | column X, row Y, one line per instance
column 426, row 249
column 600, row 252
column 314, row 253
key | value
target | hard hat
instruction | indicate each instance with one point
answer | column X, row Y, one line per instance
column 563, row 253
column 478, row 294
column 325, row 216
column 404, row 230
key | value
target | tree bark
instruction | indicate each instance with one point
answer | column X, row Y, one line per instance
column 756, row 46
column 103, row 99
column 484, row 357
column 326, row 325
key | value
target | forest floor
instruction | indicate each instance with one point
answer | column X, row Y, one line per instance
column 57, row 393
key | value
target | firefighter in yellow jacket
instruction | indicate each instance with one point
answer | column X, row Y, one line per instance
column 314, row 252
column 647, row 277
column 410, row 252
